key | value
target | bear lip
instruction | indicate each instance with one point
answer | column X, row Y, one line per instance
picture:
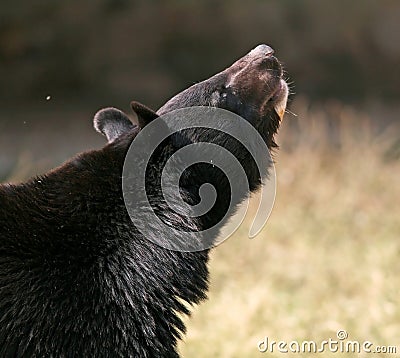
column 279, row 99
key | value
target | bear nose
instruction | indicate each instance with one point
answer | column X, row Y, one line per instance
column 262, row 50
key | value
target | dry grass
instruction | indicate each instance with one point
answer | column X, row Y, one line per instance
column 328, row 256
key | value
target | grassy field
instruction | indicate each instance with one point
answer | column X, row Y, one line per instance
column 328, row 258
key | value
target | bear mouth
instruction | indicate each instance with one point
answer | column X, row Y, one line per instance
column 256, row 81
column 272, row 82
column 278, row 100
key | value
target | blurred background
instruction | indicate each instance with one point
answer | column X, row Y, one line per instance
column 328, row 257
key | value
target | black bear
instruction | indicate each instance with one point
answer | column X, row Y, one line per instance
column 77, row 278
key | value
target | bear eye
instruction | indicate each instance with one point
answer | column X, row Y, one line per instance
column 222, row 89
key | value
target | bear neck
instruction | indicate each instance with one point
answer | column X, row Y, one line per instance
column 86, row 262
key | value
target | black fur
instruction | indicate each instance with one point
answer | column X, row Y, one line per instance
column 77, row 279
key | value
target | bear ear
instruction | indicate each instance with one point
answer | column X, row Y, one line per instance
column 112, row 123
column 144, row 114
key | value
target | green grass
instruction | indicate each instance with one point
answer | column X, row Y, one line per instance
column 328, row 258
